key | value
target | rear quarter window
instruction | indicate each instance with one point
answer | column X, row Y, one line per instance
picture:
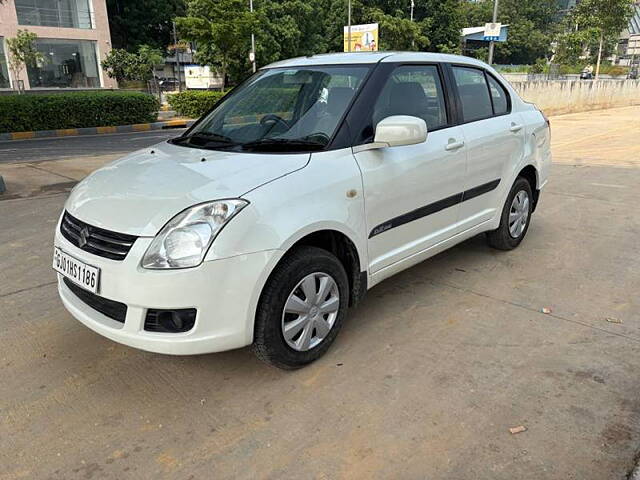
column 474, row 93
column 499, row 96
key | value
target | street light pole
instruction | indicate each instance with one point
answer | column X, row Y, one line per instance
column 413, row 43
column 349, row 27
column 177, row 52
column 495, row 19
column 599, row 54
column 253, row 42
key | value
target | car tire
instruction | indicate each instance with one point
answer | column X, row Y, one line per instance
column 284, row 335
column 515, row 218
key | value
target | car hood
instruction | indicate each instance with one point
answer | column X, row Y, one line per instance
column 141, row 192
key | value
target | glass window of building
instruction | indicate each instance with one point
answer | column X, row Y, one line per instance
column 55, row 13
column 66, row 64
column 4, row 71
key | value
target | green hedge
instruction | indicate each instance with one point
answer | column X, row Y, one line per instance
column 30, row 112
column 193, row 103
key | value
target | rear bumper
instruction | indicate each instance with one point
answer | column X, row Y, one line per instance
column 225, row 293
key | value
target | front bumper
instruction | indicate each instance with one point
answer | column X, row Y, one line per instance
column 225, row 293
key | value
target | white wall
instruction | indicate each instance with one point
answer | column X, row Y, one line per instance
column 568, row 96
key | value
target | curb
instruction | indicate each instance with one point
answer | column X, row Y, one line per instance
column 71, row 132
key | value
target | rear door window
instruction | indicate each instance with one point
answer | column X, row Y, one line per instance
column 474, row 94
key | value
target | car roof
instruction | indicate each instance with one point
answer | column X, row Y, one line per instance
column 365, row 58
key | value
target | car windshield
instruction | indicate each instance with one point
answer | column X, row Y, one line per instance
column 281, row 109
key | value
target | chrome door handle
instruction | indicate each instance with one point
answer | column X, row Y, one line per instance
column 453, row 145
column 515, row 128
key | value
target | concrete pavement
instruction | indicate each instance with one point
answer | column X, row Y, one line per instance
column 53, row 165
column 82, row 147
column 424, row 381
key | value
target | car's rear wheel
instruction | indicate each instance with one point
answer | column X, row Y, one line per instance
column 515, row 219
column 301, row 308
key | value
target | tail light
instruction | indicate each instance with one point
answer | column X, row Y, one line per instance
column 548, row 125
column 547, row 121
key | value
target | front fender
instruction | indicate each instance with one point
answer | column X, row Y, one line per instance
column 325, row 195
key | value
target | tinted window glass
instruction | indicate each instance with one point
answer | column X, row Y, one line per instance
column 499, row 95
column 55, row 13
column 474, row 93
column 67, row 63
column 4, row 74
column 416, row 91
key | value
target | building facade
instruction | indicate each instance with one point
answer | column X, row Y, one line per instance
column 629, row 42
column 73, row 36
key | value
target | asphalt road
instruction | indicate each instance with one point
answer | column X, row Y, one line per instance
column 39, row 150
column 423, row 382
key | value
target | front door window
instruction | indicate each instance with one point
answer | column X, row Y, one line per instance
column 413, row 90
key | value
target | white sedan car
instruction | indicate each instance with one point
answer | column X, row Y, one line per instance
column 311, row 182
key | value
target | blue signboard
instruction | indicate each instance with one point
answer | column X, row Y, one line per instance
column 478, row 34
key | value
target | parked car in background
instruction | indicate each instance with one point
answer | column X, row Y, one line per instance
column 633, row 74
column 169, row 84
column 313, row 181
column 586, row 75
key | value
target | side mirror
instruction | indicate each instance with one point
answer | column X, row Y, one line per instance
column 401, row 130
column 396, row 131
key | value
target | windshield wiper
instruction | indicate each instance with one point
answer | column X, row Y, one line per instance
column 211, row 136
column 205, row 140
column 283, row 144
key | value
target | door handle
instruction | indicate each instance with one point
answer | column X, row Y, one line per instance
column 453, row 145
column 515, row 128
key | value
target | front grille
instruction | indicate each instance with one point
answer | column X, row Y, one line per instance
column 109, row 308
column 98, row 241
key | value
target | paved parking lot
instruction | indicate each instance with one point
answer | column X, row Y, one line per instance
column 424, row 381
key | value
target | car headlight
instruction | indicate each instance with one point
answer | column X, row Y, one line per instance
column 185, row 240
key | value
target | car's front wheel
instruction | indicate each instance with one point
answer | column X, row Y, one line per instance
column 301, row 308
column 515, row 219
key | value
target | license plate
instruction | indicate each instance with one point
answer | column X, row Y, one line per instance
column 86, row 276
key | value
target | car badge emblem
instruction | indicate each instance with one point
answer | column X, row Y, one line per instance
column 84, row 237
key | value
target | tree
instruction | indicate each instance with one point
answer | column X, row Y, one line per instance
column 435, row 27
column 292, row 28
column 531, row 27
column 605, row 18
column 142, row 22
column 148, row 58
column 222, row 31
column 575, row 44
column 23, row 52
column 400, row 33
column 445, row 21
column 122, row 65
